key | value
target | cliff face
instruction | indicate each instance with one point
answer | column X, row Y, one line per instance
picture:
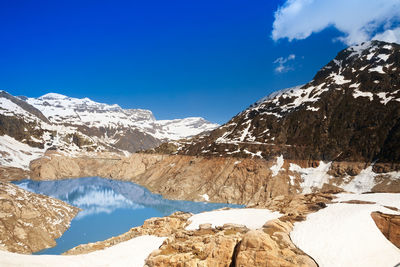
column 222, row 179
column 349, row 112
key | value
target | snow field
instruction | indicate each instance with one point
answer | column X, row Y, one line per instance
column 344, row 235
column 129, row 253
column 251, row 218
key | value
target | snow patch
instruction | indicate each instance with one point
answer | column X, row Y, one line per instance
column 17, row 154
column 251, row 218
column 206, row 197
column 378, row 69
column 312, row 177
column 354, row 85
column 365, row 180
column 258, row 154
column 292, row 178
column 383, row 98
column 338, row 79
column 277, row 167
column 312, row 108
column 9, row 108
column 383, row 57
column 357, row 93
column 357, row 50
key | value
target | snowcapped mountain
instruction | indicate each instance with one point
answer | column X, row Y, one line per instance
column 350, row 111
column 30, row 126
column 60, row 109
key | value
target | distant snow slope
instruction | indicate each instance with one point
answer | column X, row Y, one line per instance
column 183, row 128
column 17, row 154
column 62, row 109
column 344, row 235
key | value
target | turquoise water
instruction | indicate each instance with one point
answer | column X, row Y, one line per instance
column 109, row 207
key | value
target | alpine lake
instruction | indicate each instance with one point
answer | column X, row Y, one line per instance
column 109, row 207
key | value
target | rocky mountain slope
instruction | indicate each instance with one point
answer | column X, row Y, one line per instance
column 30, row 222
column 31, row 126
column 350, row 111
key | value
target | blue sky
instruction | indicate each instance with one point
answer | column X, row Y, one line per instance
column 209, row 58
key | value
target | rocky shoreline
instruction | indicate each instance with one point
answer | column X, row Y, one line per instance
column 31, row 222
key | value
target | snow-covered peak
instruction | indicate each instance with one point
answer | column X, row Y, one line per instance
column 342, row 73
column 62, row 109
column 59, row 102
column 357, row 50
column 52, row 96
column 365, row 53
column 367, row 49
column 141, row 114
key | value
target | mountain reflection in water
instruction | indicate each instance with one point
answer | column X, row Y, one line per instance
column 109, row 207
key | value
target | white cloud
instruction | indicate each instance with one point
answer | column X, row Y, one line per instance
column 281, row 61
column 390, row 36
column 358, row 20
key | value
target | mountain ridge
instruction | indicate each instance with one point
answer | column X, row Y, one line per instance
column 31, row 126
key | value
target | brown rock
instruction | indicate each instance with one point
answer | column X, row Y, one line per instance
column 389, row 225
column 212, row 247
column 30, row 222
column 12, row 174
column 205, row 226
column 270, row 247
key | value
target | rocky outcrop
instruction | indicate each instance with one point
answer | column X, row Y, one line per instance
column 30, row 222
column 13, row 174
column 231, row 245
column 164, row 226
column 57, row 166
column 204, row 247
column 389, row 225
column 270, row 246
